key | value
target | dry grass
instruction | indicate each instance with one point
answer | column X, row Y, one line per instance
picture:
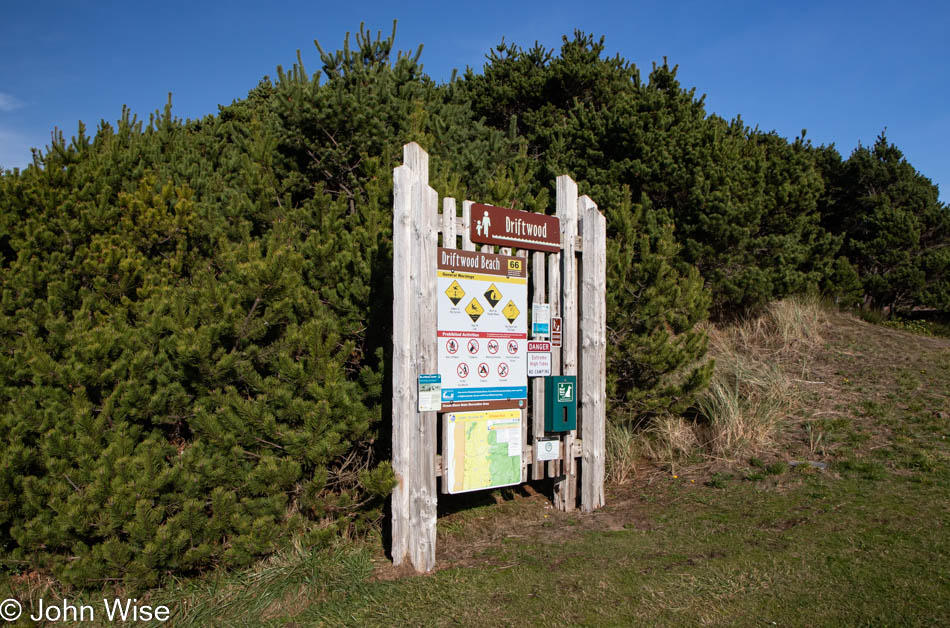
column 624, row 449
column 761, row 364
column 670, row 440
column 756, row 385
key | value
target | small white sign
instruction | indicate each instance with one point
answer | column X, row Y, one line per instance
column 540, row 319
column 539, row 363
column 430, row 393
column 547, row 449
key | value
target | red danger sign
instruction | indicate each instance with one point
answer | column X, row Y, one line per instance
column 539, row 345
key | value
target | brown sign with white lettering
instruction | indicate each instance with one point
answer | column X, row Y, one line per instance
column 556, row 331
column 515, row 228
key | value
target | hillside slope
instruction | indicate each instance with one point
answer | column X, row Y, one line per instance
column 843, row 520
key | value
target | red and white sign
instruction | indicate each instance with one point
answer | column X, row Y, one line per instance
column 515, row 228
column 539, row 363
column 539, row 345
column 556, row 331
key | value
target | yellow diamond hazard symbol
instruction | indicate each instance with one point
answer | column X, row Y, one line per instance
column 455, row 293
column 511, row 311
column 474, row 310
column 492, row 295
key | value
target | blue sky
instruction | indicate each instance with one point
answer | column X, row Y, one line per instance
column 843, row 71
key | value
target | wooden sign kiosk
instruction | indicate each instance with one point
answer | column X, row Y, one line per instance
column 569, row 275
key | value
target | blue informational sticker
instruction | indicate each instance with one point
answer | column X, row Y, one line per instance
column 430, row 392
column 540, row 320
column 496, row 393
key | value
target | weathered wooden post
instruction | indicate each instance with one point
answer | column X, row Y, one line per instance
column 415, row 238
column 593, row 353
column 565, row 490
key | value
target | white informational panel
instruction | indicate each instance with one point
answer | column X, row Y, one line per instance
column 539, row 363
column 547, row 449
column 484, row 449
column 482, row 330
column 540, row 320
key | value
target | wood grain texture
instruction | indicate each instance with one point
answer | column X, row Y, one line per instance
column 450, row 228
column 402, row 406
column 538, row 272
column 526, row 446
column 417, row 160
column 423, row 496
column 449, row 224
column 554, row 298
column 467, row 243
column 593, row 372
column 565, row 490
column 415, row 239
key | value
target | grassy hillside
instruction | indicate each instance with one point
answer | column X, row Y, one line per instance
column 842, row 517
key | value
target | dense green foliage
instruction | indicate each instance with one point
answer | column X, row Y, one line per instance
column 196, row 316
column 896, row 232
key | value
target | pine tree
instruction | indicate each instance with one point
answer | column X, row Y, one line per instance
column 585, row 115
column 896, row 232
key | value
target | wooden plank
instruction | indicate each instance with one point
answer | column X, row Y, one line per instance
column 565, row 490
column 417, row 160
column 554, row 298
column 422, row 493
column 429, row 363
column 526, row 447
column 448, row 223
column 417, row 425
column 467, row 243
column 403, row 410
column 537, row 386
column 593, row 331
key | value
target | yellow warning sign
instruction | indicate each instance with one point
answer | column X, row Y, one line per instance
column 511, row 311
column 474, row 310
column 492, row 295
column 455, row 293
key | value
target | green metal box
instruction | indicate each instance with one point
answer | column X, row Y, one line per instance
column 560, row 403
